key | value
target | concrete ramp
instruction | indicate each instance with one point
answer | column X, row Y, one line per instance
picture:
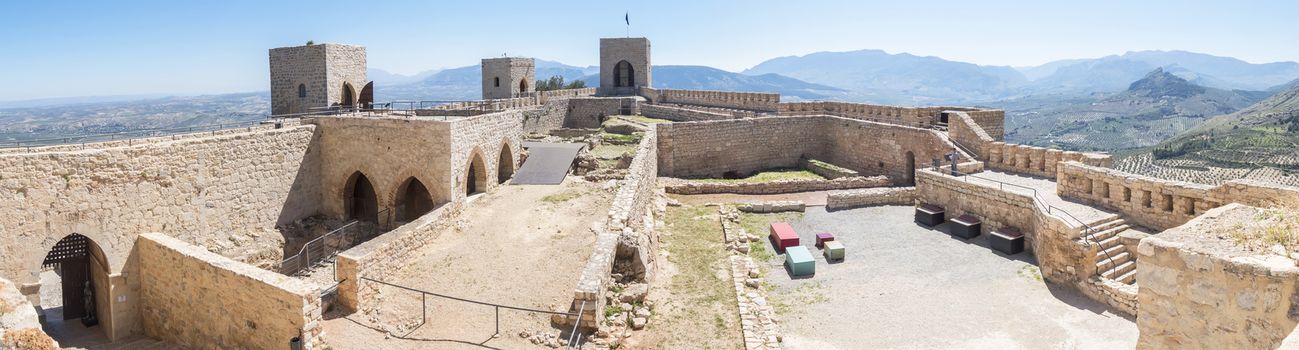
column 547, row 164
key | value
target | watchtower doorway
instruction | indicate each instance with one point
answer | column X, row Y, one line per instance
column 505, row 165
column 74, row 284
column 367, row 95
column 360, row 201
column 349, row 95
column 624, row 75
column 523, row 86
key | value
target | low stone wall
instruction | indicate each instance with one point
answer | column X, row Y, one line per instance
column 771, row 206
column 1199, row 291
column 920, row 117
column 775, row 187
column 679, row 114
column 1037, row 161
column 550, row 95
column 387, row 253
column 870, row 197
column 627, row 235
column 20, row 327
column 827, row 170
column 753, row 101
column 196, row 298
column 1161, row 204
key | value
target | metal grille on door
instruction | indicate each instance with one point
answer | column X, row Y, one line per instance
column 74, row 246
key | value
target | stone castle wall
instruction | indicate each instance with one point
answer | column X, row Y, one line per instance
column 1037, row 161
column 636, row 51
column 1198, row 295
column 749, row 101
column 589, row 112
column 199, row 299
column 388, row 152
column 713, row 148
column 778, row 186
column 679, row 114
column 870, row 197
column 485, row 136
column 1162, row 204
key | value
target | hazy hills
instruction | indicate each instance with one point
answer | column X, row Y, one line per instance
column 1158, row 106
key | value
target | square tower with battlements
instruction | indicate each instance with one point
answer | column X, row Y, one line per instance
column 624, row 65
column 310, row 78
column 507, row 77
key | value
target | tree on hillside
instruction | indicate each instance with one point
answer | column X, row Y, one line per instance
column 557, row 83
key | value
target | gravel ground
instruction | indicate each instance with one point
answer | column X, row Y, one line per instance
column 903, row 286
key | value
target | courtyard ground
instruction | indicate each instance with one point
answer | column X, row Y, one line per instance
column 903, row 286
column 520, row 246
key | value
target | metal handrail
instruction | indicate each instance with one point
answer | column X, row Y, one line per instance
column 305, row 254
column 1087, row 234
column 496, row 307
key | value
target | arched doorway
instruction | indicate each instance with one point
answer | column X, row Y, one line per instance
column 349, row 95
column 476, row 177
column 413, row 200
column 359, row 199
column 523, row 86
column 74, row 289
column 910, row 172
column 505, row 165
column 367, row 95
column 623, row 74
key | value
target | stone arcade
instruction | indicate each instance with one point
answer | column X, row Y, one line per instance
column 169, row 227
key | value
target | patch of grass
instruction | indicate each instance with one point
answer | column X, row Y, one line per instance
column 769, row 176
column 828, row 166
column 702, row 285
column 611, row 310
column 644, row 119
column 562, row 196
column 612, row 151
column 620, row 139
column 1031, row 272
column 1271, row 227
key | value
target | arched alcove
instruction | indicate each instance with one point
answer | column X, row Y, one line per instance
column 349, row 95
column 623, row 74
column 505, row 164
column 360, row 202
column 523, row 86
column 910, row 171
column 367, row 96
column 476, row 175
column 413, row 200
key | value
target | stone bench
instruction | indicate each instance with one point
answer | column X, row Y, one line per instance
column 1006, row 240
column 799, row 261
column 966, row 226
column 833, row 251
column 929, row 215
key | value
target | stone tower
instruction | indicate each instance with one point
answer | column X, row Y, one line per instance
column 312, row 77
column 507, row 77
column 624, row 65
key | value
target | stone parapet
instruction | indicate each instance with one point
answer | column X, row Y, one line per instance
column 775, row 187
column 750, row 101
column 680, row 114
column 1037, row 161
column 870, row 197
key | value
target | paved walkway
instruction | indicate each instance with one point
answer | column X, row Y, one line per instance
column 903, row 286
column 1046, row 191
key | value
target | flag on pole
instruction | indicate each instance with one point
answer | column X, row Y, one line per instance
column 626, row 17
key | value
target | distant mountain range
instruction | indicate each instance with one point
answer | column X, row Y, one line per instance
column 1152, row 109
column 464, row 83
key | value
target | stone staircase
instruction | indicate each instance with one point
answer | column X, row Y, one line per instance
column 1113, row 262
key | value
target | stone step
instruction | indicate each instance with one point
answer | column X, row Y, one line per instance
column 1108, row 224
column 1111, row 252
column 1108, row 232
column 1122, row 269
column 1111, row 242
column 1115, row 260
column 1128, row 278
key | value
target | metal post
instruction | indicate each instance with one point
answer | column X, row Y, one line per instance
column 498, row 320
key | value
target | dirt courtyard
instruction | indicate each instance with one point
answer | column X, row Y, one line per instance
column 521, row 246
column 903, row 286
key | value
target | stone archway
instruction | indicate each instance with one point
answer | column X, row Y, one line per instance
column 523, row 86
column 623, row 74
column 366, row 100
column 360, row 201
column 74, row 293
column 413, row 200
column 476, row 175
column 505, row 164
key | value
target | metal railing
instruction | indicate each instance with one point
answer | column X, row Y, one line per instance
column 1087, row 234
column 496, row 308
column 330, row 244
column 124, row 135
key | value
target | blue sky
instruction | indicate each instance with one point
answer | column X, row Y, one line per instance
column 89, row 48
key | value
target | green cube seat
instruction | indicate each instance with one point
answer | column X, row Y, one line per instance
column 833, row 251
column 799, row 261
